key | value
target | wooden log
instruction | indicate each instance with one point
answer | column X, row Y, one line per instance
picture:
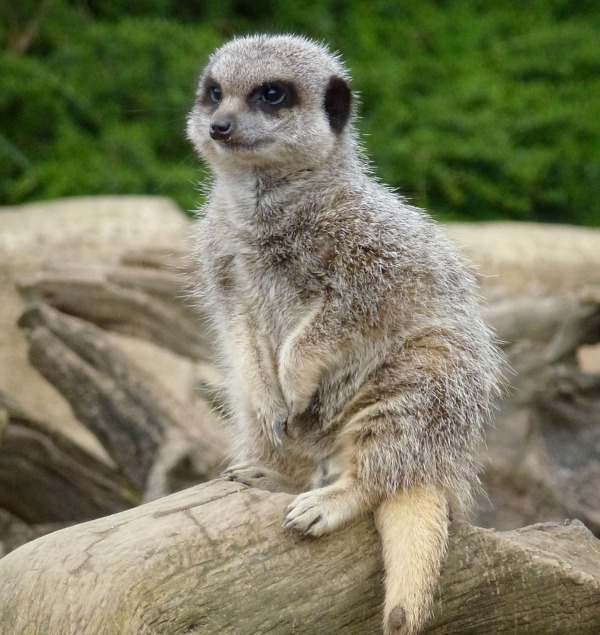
column 14, row 532
column 543, row 458
column 566, row 423
column 144, row 295
column 214, row 559
column 133, row 417
column 538, row 332
column 47, row 478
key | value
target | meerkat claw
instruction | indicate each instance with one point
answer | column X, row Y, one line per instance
column 277, row 440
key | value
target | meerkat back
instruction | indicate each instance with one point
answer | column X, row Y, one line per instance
column 358, row 368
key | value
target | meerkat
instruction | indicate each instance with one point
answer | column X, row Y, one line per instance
column 358, row 367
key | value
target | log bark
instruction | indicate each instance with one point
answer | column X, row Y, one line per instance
column 47, row 478
column 214, row 559
column 147, row 433
column 543, row 458
column 142, row 295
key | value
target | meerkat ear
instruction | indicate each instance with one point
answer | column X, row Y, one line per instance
column 338, row 99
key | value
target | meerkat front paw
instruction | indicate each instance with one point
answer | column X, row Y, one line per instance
column 256, row 476
column 321, row 511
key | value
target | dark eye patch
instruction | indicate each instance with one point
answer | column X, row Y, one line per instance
column 211, row 93
column 272, row 96
column 214, row 92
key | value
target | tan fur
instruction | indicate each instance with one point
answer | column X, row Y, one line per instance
column 359, row 370
column 414, row 532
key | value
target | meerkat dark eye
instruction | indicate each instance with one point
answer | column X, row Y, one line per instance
column 215, row 93
column 273, row 94
column 211, row 94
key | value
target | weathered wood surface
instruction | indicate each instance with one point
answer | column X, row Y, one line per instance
column 143, row 295
column 46, row 478
column 155, row 444
column 120, row 403
column 543, row 456
column 214, row 559
column 83, row 229
column 15, row 532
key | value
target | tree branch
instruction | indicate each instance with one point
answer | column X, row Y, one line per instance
column 214, row 559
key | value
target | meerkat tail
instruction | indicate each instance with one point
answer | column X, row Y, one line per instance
column 413, row 526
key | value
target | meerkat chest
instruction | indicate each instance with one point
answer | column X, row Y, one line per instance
column 274, row 268
column 279, row 279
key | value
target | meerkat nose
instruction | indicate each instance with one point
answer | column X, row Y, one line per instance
column 221, row 129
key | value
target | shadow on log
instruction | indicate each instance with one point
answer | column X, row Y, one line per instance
column 214, row 559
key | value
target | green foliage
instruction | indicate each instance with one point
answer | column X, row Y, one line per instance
column 101, row 113
column 476, row 110
column 490, row 116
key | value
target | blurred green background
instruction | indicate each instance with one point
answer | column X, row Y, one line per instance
column 475, row 109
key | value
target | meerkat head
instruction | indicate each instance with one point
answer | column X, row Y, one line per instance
column 271, row 102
